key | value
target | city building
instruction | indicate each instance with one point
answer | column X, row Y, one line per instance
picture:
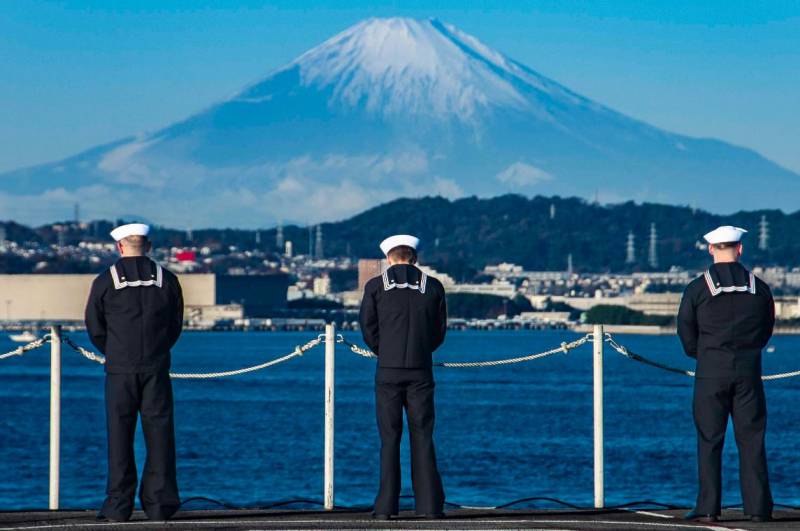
column 322, row 286
column 42, row 297
column 369, row 268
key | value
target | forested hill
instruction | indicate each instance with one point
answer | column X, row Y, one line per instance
column 463, row 235
column 467, row 234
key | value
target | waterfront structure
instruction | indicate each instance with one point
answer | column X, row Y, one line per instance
column 211, row 315
column 322, row 286
column 543, row 317
column 367, row 269
column 42, row 297
column 500, row 288
column 779, row 277
column 446, row 280
column 503, row 270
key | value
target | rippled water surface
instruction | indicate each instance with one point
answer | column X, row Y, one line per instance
column 502, row 433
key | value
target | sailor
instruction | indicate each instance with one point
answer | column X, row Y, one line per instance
column 134, row 317
column 725, row 319
column 404, row 320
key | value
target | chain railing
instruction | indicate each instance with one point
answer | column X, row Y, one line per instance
column 299, row 350
column 564, row 348
column 641, row 359
column 330, row 338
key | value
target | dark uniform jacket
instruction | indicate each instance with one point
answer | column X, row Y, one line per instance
column 135, row 315
column 404, row 317
column 725, row 319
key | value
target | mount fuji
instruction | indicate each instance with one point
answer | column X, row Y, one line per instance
column 390, row 108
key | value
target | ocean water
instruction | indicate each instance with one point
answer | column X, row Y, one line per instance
column 502, row 433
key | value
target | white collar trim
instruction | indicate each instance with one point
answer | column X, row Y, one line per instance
column 122, row 283
column 716, row 290
column 387, row 284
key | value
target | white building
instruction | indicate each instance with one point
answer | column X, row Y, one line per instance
column 500, row 288
column 322, row 286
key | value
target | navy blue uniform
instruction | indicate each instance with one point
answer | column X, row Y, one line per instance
column 404, row 320
column 725, row 319
column 134, row 316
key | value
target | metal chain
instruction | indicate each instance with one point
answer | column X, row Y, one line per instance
column 22, row 349
column 298, row 351
column 355, row 348
column 301, row 349
column 641, row 359
column 88, row 354
column 636, row 357
column 564, row 348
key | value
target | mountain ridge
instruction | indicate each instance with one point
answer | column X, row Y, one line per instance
column 392, row 108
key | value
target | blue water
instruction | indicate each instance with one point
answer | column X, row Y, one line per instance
column 502, row 433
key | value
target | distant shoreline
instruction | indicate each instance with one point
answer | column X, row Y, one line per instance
column 645, row 330
column 653, row 330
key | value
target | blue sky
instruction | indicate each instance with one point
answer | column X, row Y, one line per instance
column 76, row 74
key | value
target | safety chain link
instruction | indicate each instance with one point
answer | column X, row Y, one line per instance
column 298, row 351
column 641, row 359
column 88, row 354
column 563, row 349
column 355, row 348
column 22, row 349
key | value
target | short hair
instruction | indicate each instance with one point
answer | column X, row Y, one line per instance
column 725, row 245
column 135, row 242
column 403, row 253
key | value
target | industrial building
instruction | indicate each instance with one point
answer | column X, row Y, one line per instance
column 51, row 298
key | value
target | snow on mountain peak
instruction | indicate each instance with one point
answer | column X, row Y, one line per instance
column 390, row 108
column 402, row 65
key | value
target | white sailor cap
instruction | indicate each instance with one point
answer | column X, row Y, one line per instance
column 725, row 234
column 131, row 229
column 398, row 239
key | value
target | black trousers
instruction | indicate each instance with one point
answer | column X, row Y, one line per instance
column 743, row 399
column 127, row 396
column 412, row 390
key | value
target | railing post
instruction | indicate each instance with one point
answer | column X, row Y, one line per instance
column 55, row 415
column 330, row 346
column 597, row 341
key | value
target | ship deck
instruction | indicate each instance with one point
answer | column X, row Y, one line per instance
column 457, row 519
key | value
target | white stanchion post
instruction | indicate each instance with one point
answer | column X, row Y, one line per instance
column 330, row 346
column 55, row 415
column 599, row 489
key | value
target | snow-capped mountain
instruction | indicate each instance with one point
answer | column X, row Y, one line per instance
column 388, row 108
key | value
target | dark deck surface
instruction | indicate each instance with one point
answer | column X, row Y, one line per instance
column 460, row 519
